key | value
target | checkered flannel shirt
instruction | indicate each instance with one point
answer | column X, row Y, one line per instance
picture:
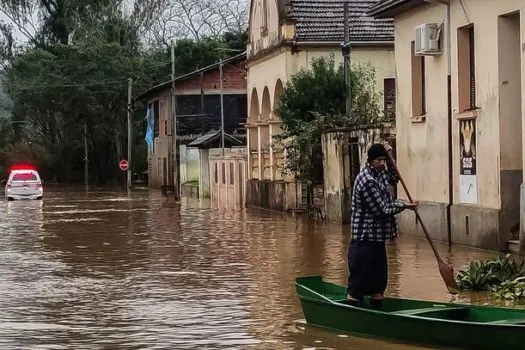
column 373, row 206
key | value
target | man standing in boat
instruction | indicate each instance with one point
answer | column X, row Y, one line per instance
column 373, row 223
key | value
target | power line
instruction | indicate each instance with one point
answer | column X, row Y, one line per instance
column 46, row 85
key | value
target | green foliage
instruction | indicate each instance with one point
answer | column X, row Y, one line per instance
column 55, row 95
column 56, row 88
column 503, row 276
column 313, row 101
column 513, row 290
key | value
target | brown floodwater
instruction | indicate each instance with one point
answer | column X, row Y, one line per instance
column 108, row 270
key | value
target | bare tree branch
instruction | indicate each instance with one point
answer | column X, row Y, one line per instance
column 197, row 19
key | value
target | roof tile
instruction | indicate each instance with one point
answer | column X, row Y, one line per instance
column 322, row 20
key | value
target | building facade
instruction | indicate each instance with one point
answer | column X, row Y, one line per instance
column 459, row 115
column 198, row 112
column 284, row 36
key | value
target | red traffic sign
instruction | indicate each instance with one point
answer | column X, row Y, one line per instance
column 123, row 165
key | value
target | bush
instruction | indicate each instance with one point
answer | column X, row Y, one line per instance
column 503, row 276
column 313, row 101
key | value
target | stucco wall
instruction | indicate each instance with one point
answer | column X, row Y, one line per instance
column 422, row 142
column 382, row 58
column 283, row 64
column 339, row 165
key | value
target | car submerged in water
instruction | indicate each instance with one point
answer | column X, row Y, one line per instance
column 24, row 183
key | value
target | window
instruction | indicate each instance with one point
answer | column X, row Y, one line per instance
column 466, row 69
column 165, row 128
column 223, row 174
column 216, row 174
column 156, row 121
column 390, row 98
column 231, row 173
column 264, row 18
column 24, row 177
column 418, row 84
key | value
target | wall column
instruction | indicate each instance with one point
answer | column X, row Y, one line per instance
column 259, row 151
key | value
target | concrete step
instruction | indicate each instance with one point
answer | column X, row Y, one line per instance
column 514, row 246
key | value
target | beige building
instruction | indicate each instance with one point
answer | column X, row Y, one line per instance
column 459, row 110
column 284, row 36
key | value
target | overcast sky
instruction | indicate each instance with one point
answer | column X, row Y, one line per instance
column 18, row 35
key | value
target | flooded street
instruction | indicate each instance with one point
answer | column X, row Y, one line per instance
column 106, row 270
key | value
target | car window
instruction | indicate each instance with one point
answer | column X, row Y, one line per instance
column 24, row 177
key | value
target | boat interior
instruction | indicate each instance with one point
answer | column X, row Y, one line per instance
column 418, row 308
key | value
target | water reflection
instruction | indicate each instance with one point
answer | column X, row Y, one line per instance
column 111, row 270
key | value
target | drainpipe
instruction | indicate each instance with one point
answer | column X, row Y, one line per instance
column 449, row 122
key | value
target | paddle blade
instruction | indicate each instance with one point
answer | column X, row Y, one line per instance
column 447, row 273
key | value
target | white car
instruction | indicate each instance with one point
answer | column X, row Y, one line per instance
column 24, row 184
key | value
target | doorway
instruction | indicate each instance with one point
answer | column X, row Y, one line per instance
column 510, row 121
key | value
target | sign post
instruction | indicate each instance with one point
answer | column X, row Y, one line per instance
column 123, row 165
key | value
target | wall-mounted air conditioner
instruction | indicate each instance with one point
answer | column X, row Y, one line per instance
column 428, row 39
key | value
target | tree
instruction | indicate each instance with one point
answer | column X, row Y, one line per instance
column 196, row 20
column 48, row 22
column 73, row 71
column 56, row 95
column 313, row 101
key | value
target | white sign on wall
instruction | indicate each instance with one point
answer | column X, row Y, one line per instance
column 468, row 189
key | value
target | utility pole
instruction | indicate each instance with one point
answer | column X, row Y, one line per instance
column 345, row 46
column 86, row 162
column 130, row 133
column 174, row 125
column 222, row 107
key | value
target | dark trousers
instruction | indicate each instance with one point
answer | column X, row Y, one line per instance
column 368, row 269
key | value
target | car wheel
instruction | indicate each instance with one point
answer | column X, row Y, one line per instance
column 38, row 198
column 10, row 199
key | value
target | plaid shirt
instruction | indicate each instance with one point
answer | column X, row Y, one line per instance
column 373, row 207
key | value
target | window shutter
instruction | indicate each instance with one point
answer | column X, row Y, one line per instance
column 472, row 69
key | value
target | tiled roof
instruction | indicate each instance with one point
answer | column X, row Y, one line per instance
column 322, row 20
column 387, row 8
column 212, row 136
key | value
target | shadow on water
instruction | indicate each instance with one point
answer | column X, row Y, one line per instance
column 113, row 270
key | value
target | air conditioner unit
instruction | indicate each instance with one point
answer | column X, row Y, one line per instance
column 427, row 39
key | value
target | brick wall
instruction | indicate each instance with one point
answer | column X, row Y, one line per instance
column 233, row 79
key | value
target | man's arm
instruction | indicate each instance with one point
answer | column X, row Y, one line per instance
column 379, row 207
column 393, row 177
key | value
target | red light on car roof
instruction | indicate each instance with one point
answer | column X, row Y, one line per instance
column 21, row 167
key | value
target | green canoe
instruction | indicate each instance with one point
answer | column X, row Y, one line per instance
column 413, row 321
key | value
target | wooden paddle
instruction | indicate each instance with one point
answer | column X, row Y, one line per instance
column 446, row 270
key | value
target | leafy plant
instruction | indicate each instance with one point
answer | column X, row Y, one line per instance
column 497, row 274
column 312, row 102
column 510, row 290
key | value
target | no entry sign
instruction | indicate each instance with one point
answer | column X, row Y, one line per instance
column 123, row 165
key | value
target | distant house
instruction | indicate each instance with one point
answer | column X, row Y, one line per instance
column 284, row 36
column 198, row 112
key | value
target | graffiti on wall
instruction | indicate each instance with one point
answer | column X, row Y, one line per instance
column 467, row 142
column 467, row 158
